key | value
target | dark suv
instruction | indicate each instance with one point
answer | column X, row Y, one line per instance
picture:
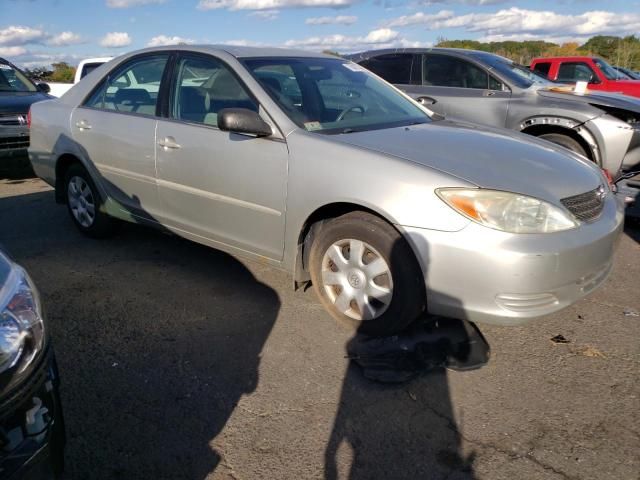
column 17, row 93
column 31, row 427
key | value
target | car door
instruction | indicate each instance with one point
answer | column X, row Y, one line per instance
column 116, row 128
column 572, row 72
column 225, row 187
column 462, row 90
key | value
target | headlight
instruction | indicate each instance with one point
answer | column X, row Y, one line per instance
column 21, row 325
column 506, row 211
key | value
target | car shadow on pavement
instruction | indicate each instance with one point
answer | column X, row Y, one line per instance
column 408, row 430
column 142, row 402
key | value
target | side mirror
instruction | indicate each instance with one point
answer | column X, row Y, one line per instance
column 43, row 87
column 243, row 120
column 594, row 79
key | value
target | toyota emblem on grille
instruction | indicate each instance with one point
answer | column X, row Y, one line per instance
column 601, row 193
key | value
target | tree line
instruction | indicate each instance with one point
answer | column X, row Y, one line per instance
column 619, row 51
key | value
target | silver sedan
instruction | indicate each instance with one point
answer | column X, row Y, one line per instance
column 310, row 163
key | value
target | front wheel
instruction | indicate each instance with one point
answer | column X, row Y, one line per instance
column 565, row 141
column 366, row 275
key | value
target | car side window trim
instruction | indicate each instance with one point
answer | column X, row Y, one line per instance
column 117, row 70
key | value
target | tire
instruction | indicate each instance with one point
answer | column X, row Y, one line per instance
column 358, row 297
column 565, row 141
column 84, row 204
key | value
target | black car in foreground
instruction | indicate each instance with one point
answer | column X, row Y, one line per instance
column 32, row 434
column 17, row 93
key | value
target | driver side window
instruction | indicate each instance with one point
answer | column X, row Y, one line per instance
column 575, row 72
column 204, row 86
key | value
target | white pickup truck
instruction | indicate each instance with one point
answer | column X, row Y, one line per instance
column 84, row 68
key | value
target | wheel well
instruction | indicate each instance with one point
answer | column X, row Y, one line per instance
column 537, row 130
column 62, row 166
column 311, row 226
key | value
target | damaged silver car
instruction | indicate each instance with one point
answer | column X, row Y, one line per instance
column 491, row 90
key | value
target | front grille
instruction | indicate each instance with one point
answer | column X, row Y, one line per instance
column 586, row 206
column 11, row 143
column 13, row 118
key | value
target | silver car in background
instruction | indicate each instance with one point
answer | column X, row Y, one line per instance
column 312, row 164
column 488, row 89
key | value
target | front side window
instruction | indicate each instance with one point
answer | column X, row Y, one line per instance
column 332, row 95
column 12, row 80
column 131, row 88
column 576, row 72
column 394, row 68
column 445, row 71
column 204, row 86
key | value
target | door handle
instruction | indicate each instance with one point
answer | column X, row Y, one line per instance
column 83, row 125
column 426, row 100
column 169, row 143
column 489, row 93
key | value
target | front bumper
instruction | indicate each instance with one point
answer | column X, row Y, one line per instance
column 32, row 440
column 484, row 275
column 14, row 140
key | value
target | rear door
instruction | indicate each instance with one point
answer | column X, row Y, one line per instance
column 462, row 90
column 221, row 186
column 116, row 128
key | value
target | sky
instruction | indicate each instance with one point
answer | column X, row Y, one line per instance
column 39, row 32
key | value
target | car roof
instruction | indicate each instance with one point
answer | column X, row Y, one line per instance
column 386, row 51
column 240, row 51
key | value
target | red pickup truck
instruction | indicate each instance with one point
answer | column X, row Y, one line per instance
column 598, row 73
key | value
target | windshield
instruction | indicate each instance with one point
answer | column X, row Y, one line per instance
column 519, row 75
column 333, row 96
column 13, row 80
column 608, row 71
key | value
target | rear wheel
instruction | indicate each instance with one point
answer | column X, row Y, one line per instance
column 366, row 275
column 84, row 204
column 565, row 141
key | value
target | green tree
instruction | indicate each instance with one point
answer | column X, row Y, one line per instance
column 62, row 72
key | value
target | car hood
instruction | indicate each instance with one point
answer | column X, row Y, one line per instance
column 616, row 100
column 19, row 102
column 485, row 157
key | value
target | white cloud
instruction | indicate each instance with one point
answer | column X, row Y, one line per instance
column 12, row 51
column 380, row 38
column 115, row 40
column 337, row 20
column 20, row 35
column 130, row 3
column 65, row 38
column 477, row 3
column 420, row 18
column 266, row 14
column 271, row 4
column 161, row 40
column 527, row 24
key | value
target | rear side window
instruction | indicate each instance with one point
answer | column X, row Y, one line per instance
column 575, row 72
column 394, row 68
column 542, row 68
column 204, row 86
column 132, row 88
column 87, row 68
column 445, row 71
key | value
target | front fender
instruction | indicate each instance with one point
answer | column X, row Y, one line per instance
column 324, row 172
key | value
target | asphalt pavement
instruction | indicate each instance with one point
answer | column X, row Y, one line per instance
column 179, row 361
